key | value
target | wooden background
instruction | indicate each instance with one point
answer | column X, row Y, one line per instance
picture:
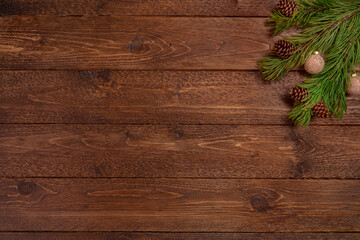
column 148, row 119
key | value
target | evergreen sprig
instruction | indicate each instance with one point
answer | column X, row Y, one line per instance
column 331, row 27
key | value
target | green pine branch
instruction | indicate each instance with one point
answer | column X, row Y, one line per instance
column 331, row 27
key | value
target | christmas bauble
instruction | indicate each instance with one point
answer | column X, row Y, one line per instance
column 354, row 88
column 314, row 64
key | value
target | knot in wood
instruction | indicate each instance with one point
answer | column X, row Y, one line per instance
column 26, row 188
column 179, row 133
column 259, row 203
column 136, row 45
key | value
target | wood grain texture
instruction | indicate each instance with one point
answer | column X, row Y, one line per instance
column 179, row 205
column 151, row 97
column 176, row 236
column 179, row 151
column 141, row 43
column 138, row 7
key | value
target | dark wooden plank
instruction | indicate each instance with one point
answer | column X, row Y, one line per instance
column 132, row 43
column 179, row 151
column 138, row 7
column 142, row 97
column 176, row 236
column 179, row 205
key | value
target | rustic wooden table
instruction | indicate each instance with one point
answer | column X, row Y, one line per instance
column 147, row 119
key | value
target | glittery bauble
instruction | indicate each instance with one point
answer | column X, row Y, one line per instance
column 354, row 88
column 314, row 64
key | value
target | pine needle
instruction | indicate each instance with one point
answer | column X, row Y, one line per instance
column 331, row 27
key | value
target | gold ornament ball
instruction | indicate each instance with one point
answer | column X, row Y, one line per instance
column 314, row 64
column 354, row 88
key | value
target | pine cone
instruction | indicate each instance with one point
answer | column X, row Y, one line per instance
column 284, row 49
column 298, row 94
column 287, row 7
column 320, row 110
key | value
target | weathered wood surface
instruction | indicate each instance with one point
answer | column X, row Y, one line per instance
column 132, row 43
column 143, row 97
column 138, row 7
column 175, row 236
column 173, row 205
column 212, row 151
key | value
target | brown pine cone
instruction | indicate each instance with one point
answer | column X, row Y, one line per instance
column 321, row 110
column 284, row 49
column 298, row 94
column 287, row 7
